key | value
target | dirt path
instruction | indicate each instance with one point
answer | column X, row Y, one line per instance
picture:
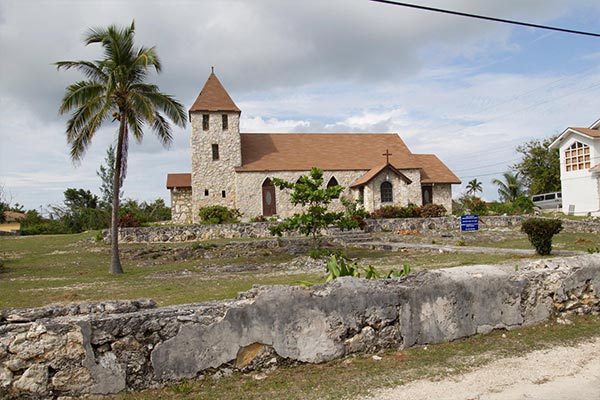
column 562, row 373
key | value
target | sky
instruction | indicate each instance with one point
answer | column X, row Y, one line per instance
column 469, row 91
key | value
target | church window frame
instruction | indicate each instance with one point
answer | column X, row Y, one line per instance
column 215, row 152
column 223, row 194
column 386, row 191
column 205, row 122
column 225, row 121
column 333, row 182
column 206, row 192
column 577, row 157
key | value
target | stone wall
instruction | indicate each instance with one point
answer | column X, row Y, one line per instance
column 250, row 191
column 191, row 233
column 181, row 205
column 403, row 194
column 213, row 178
column 110, row 347
column 450, row 223
column 442, row 195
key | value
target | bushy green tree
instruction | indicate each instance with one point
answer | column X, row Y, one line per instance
column 107, row 176
column 116, row 89
column 511, row 188
column 309, row 192
column 539, row 166
column 540, row 232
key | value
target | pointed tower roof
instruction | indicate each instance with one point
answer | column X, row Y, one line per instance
column 214, row 97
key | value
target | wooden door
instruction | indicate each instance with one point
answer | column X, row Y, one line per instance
column 268, row 198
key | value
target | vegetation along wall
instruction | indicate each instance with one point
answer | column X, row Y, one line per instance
column 118, row 345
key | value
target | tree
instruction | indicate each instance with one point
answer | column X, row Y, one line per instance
column 116, row 88
column 511, row 189
column 473, row 187
column 107, row 175
column 311, row 194
column 540, row 166
column 80, row 198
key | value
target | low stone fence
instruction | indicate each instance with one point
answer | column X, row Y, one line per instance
column 114, row 346
column 502, row 222
column 192, row 233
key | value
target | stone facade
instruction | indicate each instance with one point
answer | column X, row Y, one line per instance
column 110, row 347
column 214, row 180
column 181, row 206
column 442, row 195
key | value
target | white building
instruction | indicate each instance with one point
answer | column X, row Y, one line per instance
column 579, row 150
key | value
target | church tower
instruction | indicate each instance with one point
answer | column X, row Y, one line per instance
column 215, row 146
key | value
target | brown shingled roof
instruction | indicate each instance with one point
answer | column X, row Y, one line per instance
column 434, row 170
column 587, row 131
column 363, row 180
column 214, row 97
column 328, row 151
column 179, row 181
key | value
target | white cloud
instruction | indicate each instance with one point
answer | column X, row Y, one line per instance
column 451, row 86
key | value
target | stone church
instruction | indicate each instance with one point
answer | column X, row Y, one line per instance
column 236, row 169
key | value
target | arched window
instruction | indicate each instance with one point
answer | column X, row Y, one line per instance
column 577, row 157
column 387, row 194
column 333, row 182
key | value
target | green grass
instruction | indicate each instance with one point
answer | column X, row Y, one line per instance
column 39, row 270
column 355, row 375
column 561, row 241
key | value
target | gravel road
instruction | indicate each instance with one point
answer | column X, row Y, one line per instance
column 561, row 373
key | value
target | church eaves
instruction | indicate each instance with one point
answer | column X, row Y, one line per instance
column 213, row 97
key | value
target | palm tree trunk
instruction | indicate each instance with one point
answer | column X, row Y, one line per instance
column 115, row 260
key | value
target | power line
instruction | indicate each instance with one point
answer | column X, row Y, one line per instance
column 505, row 21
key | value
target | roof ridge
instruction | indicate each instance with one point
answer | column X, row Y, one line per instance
column 214, row 97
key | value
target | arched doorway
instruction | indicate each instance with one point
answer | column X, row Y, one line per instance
column 268, row 198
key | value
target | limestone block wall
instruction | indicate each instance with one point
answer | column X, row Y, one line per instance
column 191, row 233
column 403, row 193
column 250, row 190
column 181, row 206
column 214, row 176
column 107, row 348
column 442, row 195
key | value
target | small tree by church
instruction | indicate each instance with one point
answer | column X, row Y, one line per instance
column 309, row 192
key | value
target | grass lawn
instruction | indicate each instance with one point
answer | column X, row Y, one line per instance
column 40, row 270
column 356, row 374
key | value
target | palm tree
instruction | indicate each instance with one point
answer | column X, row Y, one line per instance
column 511, row 188
column 116, row 88
column 473, row 187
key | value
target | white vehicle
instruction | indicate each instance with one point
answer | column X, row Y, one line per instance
column 548, row 200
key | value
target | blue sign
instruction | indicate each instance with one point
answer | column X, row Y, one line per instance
column 469, row 223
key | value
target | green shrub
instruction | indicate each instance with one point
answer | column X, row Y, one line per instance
column 540, row 232
column 410, row 211
column 212, row 215
column 339, row 266
column 432, row 210
column 522, row 205
column 354, row 215
column 128, row 221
